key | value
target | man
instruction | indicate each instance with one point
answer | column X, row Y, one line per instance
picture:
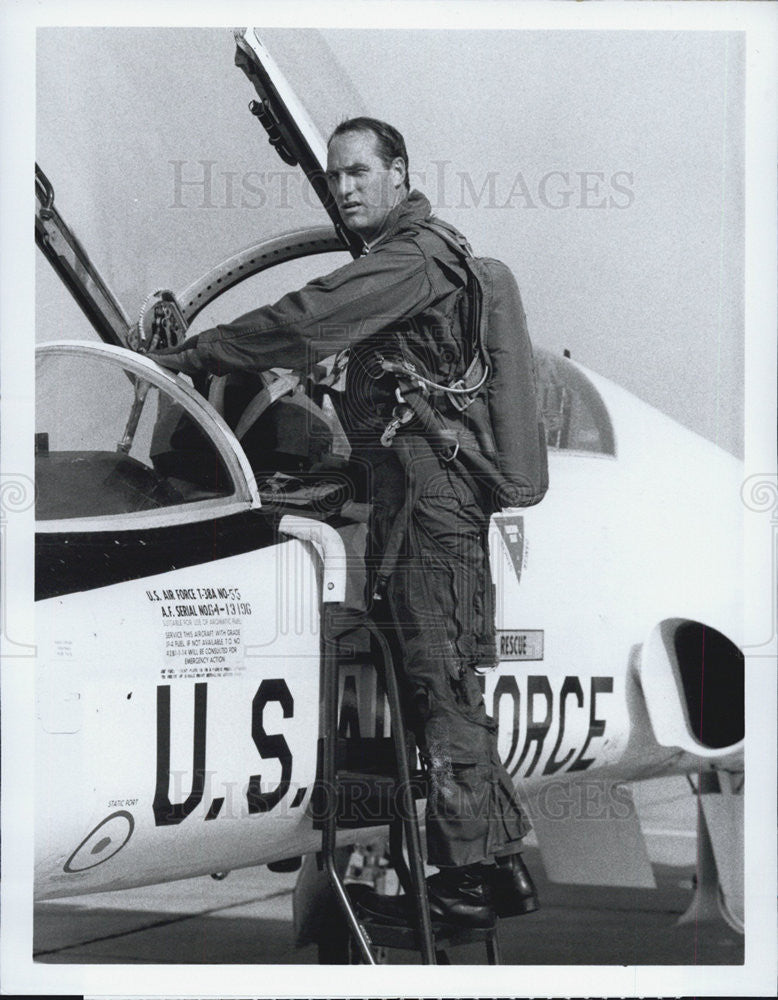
column 405, row 301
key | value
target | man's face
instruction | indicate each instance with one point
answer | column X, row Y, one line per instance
column 364, row 189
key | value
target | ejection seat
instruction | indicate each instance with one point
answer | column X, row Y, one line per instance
column 296, row 448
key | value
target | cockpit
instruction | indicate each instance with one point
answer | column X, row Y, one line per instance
column 117, row 436
column 574, row 413
column 113, row 440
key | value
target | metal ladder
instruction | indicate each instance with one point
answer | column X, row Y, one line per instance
column 340, row 800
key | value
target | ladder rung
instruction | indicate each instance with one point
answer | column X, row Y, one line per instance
column 370, row 754
column 363, row 799
column 358, row 784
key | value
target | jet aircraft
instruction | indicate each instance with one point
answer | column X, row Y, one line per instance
column 189, row 536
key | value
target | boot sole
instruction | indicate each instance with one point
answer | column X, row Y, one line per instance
column 516, row 908
column 405, row 918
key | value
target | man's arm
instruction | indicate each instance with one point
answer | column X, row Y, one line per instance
column 363, row 296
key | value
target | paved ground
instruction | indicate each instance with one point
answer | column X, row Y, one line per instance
column 247, row 919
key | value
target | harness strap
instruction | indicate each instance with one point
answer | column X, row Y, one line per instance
column 477, row 294
column 441, row 440
column 444, row 441
column 399, row 527
column 471, row 463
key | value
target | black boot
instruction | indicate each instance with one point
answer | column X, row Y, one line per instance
column 512, row 889
column 456, row 896
column 460, row 896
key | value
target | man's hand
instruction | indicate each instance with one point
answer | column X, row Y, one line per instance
column 185, row 361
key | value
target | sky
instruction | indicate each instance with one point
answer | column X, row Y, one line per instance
column 605, row 168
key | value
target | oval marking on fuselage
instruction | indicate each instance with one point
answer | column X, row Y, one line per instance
column 117, row 834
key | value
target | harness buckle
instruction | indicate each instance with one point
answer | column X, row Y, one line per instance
column 459, row 399
column 401, row 414
column 454, row 453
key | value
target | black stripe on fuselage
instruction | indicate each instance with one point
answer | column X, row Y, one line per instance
column 77, row 561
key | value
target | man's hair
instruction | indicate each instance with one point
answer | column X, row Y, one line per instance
column 390, row 144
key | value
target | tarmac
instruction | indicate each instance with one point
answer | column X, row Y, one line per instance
column 247, row 919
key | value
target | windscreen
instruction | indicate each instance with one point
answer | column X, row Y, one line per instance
column 574, row 413
column 108, row 442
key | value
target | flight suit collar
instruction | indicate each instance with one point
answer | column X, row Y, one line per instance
column 413, row 207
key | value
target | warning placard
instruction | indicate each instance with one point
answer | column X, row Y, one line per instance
column 203, row 629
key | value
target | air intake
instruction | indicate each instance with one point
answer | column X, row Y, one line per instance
column 693, row 682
